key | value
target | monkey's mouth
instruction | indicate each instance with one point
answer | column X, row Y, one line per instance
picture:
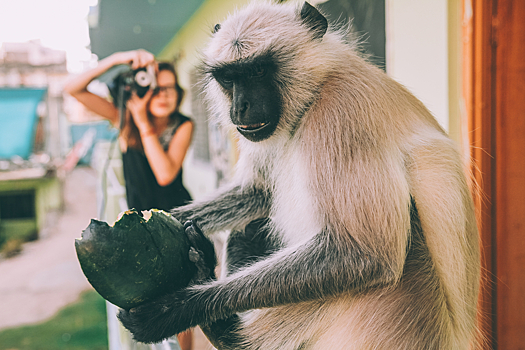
column 258, row 131
column 251, row 127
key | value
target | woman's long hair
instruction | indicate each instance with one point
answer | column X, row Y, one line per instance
column 130, row 132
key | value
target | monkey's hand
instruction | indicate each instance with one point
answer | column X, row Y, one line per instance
column 202, row 252
column 173, row 313
column 155, row 321
column 231, row 208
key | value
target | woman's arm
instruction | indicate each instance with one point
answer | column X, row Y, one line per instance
column 77, row 87
column 166, row 165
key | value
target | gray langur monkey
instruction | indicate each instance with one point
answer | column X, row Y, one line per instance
column 352, row 224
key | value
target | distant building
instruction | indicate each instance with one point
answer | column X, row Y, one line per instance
column 30, row 64
column 29, row 187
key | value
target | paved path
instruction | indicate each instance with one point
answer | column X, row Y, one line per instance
column 46, row 276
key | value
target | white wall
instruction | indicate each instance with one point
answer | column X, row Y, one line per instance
column 417, row 51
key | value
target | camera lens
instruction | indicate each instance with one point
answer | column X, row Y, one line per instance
column 143, row 78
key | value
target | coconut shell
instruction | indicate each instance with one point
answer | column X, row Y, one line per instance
column 136, row 260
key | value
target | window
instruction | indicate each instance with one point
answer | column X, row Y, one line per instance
column 20, row 205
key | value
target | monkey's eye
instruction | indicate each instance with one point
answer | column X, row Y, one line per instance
column 225, row 81
column 258, row 72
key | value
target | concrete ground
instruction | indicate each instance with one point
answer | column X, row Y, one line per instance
column 46, row 276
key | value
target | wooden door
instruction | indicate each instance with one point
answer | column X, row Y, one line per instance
column 494, row 92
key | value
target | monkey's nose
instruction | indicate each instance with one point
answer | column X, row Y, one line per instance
column 240, row 112
column 242, row 107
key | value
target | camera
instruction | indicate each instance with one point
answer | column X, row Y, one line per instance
column 138, row 81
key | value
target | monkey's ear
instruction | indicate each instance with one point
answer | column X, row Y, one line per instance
column 314, row 20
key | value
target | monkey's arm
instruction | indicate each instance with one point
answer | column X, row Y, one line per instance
column 229, row 209
column 446, row 209
column 318, row 269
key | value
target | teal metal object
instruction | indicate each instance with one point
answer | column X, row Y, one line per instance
column 18, row 121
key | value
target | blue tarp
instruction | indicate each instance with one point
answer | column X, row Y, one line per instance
column 18, row 121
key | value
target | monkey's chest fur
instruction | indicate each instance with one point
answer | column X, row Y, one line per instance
column 294, row 209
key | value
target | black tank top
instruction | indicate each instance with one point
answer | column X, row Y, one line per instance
column 142, row 189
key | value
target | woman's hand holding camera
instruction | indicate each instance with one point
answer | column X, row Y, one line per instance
column 136, row 59
column 138, row 108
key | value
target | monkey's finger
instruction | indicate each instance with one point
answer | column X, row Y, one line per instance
column 202, row 251
column 198, row 239
column 188, row 224
column 196, row 227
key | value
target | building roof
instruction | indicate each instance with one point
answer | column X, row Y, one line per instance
column 120, row 25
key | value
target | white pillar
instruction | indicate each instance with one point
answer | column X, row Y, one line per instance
column 417, row 51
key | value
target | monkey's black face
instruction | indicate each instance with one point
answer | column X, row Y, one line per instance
column 255, row 98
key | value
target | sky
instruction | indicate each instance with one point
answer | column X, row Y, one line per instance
column 58, row 24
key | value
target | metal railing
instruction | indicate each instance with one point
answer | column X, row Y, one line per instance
column 111, row 194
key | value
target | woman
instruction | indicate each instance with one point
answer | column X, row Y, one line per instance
column 154, row 139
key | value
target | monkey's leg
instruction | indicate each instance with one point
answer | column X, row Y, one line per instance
column 230, row 209
column 224, row 334
column 244, row 247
